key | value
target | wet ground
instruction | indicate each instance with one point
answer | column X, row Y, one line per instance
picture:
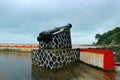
column 77, row 71
column 18, row 66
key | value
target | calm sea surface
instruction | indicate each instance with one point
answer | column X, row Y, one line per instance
column 18, row 66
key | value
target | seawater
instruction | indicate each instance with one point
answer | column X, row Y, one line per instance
column 18, row 66
column 15, row 66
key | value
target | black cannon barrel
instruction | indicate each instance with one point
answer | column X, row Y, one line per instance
column 59, row 28
column 46, row 36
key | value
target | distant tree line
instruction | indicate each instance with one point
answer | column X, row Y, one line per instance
column 110, row 37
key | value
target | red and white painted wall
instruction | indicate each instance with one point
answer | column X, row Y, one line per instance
column 117, row 66
column 100, row 58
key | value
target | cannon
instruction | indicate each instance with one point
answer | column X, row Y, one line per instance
column 46, row 36
column 58, row 38
column 55, row 48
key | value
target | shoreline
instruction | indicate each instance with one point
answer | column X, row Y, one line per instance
column 18, row 48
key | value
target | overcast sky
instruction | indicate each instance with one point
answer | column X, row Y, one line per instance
column 22, row 20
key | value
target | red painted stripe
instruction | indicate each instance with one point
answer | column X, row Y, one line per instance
column 109, row 63
column 117, row 63
column 20, row 46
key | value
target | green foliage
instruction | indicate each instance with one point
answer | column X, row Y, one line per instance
column 110, row 37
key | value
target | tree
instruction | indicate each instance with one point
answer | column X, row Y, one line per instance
column 110, row 37
column 98, row 36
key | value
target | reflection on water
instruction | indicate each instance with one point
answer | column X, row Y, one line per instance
column 67, row 73
column 77, row 71
column 17, row 54
column 17, row 66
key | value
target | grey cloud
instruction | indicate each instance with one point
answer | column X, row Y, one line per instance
column 31, row 17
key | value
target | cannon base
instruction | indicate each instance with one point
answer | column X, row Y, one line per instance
column 55, row 58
